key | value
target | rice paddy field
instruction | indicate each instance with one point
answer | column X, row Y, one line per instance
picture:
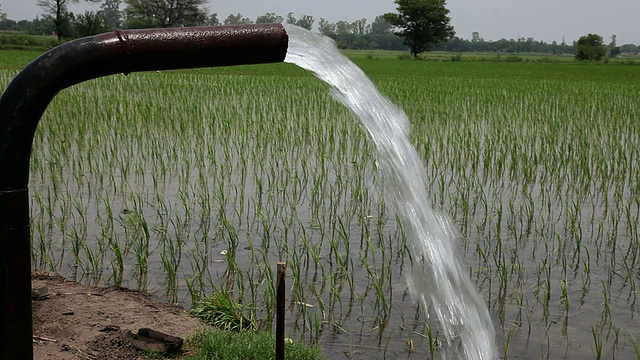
column 182, row 183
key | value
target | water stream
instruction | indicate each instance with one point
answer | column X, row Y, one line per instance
column 437, row 278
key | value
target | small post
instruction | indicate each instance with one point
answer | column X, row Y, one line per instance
column 280, row 286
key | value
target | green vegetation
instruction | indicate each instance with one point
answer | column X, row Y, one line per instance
column 236, row 336
column 437, row 63
column 269, row 18
column 227, row 345
column 200, row 180
column 221, row 311
column 590, row 48
column 305, row 21
column 17, row 59
column 18, row 41
column 164, row 13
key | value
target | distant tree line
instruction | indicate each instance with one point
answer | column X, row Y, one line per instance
column 520, row 45
column 358, row 34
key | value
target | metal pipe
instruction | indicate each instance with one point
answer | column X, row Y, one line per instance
column 28, row 95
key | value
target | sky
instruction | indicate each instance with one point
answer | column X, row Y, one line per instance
column 545, row 20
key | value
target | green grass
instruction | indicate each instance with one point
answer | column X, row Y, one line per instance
column 386, row 64
column 19, row 41
column 220, row 311
column 17, row 59
column 227, row 345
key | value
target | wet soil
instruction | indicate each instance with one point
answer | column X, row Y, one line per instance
column 76, row 321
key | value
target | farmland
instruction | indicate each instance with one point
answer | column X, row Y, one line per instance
column 180, row 183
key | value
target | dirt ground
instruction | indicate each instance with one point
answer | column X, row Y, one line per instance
column 76, row 321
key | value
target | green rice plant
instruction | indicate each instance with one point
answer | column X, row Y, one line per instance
column 434, row 342
column 93, row 266
column 634, row 342
column 171, row 273
column 507, row 343
column 117, row 264
column 596, row 348
column 196, row 280
column 76, row 246
column 137, row 239
column 606, row 304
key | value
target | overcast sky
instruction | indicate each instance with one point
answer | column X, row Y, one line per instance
column 546, row 20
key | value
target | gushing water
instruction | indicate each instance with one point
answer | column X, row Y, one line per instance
column 437, row 277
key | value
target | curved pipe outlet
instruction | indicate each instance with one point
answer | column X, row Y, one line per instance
column 28, row 95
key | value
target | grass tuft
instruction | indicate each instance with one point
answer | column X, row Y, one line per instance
column 248, row 345
column 221, row 311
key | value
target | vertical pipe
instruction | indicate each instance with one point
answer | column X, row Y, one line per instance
column 15, row 275
column 280, row 300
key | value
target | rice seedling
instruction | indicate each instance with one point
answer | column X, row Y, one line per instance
column 538, row 173
column 597, row 343
column 634, row 343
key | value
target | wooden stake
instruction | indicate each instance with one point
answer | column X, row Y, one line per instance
column 280, row 292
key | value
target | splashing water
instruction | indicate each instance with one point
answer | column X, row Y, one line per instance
column 436, row 275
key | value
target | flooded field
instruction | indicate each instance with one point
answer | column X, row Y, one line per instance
column 184, row 183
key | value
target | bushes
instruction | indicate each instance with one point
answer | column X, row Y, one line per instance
column 20, row 41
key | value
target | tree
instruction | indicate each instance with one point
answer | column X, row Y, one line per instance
column 291, row 19
column 3, row 15
column 614, row 52
column 361, row 26
column 57, row 11
column 326, row 28
column 212, row 20
column 90, row 23
column 590, row 48
column 8, row 24
column 343, row 27
column 269, row 18
column 306, row 21
column 164, row 13
column 380, row 26
column 629, row 48
column 613, row 48
column 423, row 24
column 111, row 11
column 236, row 20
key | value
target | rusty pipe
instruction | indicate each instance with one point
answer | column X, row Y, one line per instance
column 28, row 95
